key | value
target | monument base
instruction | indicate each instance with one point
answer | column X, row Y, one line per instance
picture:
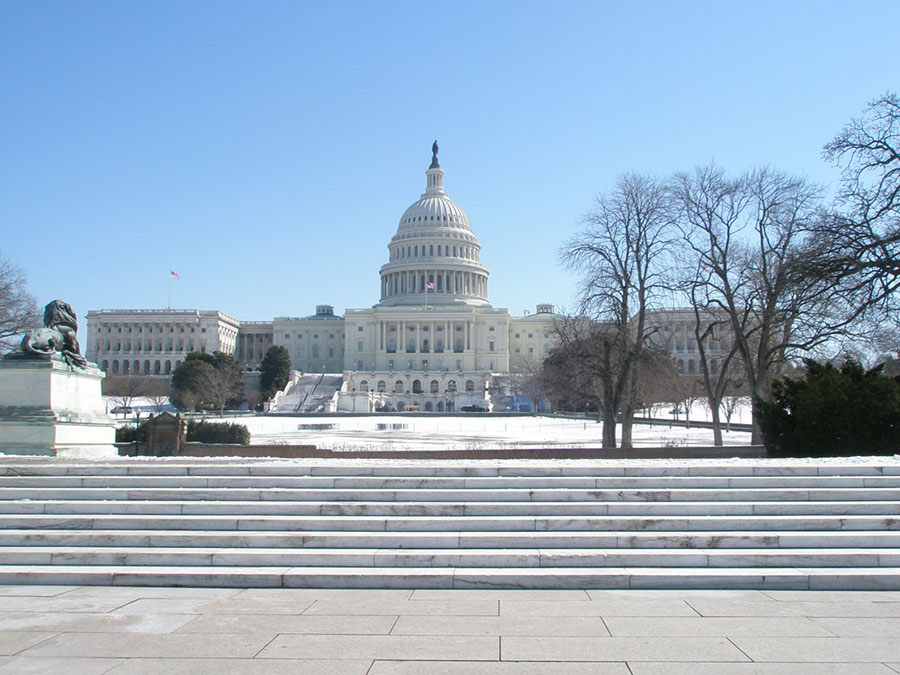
column 49, row 408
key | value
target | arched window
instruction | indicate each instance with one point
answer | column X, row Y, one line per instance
column 381, row 386
column 470, row 386
column 168, row 367
column 417, row 387
column 428, row 406
column 425, row 345
column 435, row 387
column 681, row 366
column 392, row 346
column 398, row 387
column 125, row 367
column 411, row 347
column 691, row 367
column 451, row 387
column 439, row 346
column 146, row 367
column 364, row 385
column 440, row 406
column 156, row 366
column 105, row 365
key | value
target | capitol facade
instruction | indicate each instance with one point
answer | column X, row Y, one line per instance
column 433, row 342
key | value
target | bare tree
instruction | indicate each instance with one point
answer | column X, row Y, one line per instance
column 157, row 392
column 861, row 242
column 223, row 383
column 530, row 378
column 621, row 255
column 748, row 243
column 123, row 390
column 18, row 310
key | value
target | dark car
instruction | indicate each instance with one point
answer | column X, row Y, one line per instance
column 385, row 408
column 472, row 408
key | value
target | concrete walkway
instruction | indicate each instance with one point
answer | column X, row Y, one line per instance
column 125, row 630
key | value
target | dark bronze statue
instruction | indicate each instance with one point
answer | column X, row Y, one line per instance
column 434, row 159
column 57, row 335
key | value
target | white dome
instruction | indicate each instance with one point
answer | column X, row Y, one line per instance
column 434, row 256
column 434, row 210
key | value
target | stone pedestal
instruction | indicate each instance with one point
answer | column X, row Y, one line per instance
column 49, row 408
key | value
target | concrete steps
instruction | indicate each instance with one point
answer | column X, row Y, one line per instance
column 450, row 525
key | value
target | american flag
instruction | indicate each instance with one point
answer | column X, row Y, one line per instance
column 430, row 285
column 174, row 275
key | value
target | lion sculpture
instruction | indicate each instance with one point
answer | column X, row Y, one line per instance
column 57, row 335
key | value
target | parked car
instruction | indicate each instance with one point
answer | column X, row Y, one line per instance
column 472, row 408
column 384, row 408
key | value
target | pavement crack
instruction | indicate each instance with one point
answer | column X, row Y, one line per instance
column 739, row 649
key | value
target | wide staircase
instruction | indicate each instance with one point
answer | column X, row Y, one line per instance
column 450, row 524
column 309, row 394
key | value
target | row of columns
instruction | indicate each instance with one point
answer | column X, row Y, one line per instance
column 456, row 283
column 402, row 331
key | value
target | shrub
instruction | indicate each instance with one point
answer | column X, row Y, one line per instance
column 130, row 433
column 217, row 432
column 832, row 412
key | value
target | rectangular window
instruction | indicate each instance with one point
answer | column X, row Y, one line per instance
column 490, row 346
column 359, row 346
column 331, row 352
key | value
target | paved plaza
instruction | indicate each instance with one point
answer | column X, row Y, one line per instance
column 128, row 630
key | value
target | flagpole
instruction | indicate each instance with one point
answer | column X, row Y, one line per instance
column 169, row 304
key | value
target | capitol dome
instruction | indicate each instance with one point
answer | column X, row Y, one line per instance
column 434, row 257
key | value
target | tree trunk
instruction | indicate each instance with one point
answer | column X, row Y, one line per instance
column 609, row 427
column 718, row 441
column 627, row 421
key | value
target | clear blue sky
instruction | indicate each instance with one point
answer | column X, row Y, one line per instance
column 266, row 151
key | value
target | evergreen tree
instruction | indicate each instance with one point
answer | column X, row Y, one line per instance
column 275, row 370
column 833, row 411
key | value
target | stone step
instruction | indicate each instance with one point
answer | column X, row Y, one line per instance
column 455, row 483
column 449, row 523
column 790, row 578
column 460, row 508
column 722, row 540
column 361, row 557
column 261, row 493
column 14, row 466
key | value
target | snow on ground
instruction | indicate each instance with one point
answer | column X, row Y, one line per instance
column 433, row 432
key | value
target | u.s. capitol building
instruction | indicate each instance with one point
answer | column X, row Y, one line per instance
column 432, row 340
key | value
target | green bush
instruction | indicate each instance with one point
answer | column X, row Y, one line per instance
column 217, row 432
column 130, row 433
column 832, row 412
